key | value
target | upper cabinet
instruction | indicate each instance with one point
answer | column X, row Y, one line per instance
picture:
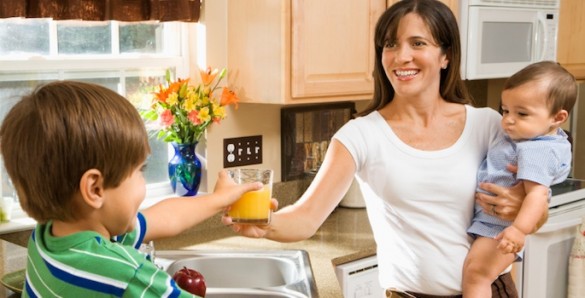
column 302, row 51
column 571, row 37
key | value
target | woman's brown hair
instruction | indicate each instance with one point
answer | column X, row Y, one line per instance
column 52, row 136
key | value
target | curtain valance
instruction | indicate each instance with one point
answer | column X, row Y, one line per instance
column 102, row 10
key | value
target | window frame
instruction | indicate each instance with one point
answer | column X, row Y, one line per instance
column 60, row 67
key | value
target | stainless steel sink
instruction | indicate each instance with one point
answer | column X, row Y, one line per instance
column 266, row 274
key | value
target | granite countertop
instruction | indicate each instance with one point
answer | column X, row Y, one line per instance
column 346, row 235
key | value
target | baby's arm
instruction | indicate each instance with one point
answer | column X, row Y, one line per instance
column 534, row 206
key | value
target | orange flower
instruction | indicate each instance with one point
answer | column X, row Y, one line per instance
column 228, row 97
column 163, row 94
column 208, row 75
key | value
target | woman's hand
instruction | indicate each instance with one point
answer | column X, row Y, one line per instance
column 248, row 230
column 506, row 201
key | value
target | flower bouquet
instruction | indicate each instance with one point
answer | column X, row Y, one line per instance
column 180, row 113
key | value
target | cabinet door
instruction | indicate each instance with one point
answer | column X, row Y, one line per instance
column 332, row 47
column 571, row 37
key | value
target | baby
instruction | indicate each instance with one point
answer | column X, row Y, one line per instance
column 536, row 101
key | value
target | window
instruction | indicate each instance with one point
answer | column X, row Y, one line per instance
column 125, row 57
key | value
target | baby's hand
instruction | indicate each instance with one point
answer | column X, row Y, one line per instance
column 511, row 240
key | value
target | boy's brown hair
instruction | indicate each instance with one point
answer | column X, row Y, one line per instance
column 562, row 87
column 52, row 136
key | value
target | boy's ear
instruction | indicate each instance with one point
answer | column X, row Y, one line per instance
column 91, row 188
column 560, row 117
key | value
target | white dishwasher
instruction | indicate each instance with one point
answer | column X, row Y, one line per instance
column 359, row 278
column 544, row 271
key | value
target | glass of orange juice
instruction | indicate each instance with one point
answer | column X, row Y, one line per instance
column 254, row 206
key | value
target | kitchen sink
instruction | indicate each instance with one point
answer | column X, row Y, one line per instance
column 265, row 274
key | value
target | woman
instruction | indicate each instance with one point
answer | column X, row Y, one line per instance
column 415, row 153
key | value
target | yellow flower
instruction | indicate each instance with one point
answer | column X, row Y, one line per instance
column 173, row 99
column 204, row 114
column 183, row 112
column 218, row 111
column 191, row 100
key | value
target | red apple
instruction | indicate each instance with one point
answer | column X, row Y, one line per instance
column 191, row 281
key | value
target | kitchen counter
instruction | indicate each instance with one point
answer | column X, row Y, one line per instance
column 345, row 232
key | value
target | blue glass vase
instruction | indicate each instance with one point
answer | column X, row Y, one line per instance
column 185, row 170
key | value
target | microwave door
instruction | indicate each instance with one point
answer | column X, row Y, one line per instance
column 500, row 41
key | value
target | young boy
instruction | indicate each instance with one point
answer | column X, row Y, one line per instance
column 75, row 153
column 535, row 102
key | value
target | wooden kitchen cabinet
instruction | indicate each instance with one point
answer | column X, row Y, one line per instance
column 301, row 51
column 571, row 37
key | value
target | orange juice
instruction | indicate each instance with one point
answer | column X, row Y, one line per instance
column 253, row 207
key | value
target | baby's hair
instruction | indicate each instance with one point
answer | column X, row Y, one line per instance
column 562, row 87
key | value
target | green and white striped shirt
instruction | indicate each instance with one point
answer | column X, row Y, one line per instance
column 85, row 264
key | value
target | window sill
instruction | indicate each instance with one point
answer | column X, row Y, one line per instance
column 21, row 221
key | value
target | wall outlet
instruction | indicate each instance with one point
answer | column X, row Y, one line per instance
column 242, row 151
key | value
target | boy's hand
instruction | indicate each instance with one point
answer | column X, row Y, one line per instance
column 511, row 240
column 228, row 189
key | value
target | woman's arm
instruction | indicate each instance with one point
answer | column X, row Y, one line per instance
column 174, row 215
column 302, row 219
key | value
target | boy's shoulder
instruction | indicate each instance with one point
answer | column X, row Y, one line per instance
column 80, row 244
column 85, row 262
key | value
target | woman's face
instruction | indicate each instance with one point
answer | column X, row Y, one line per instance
column 413, row 61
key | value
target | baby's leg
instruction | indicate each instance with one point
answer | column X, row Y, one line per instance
column 482, row 266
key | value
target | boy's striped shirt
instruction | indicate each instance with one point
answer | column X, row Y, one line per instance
column 87, row 265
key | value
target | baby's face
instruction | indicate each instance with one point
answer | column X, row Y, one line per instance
column 122, row 202
column 525, row 112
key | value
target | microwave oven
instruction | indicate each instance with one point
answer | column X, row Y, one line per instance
column 500, row 37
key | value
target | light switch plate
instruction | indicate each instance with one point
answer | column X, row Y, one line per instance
column 242, row 151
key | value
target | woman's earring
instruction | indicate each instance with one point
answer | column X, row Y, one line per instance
column 444, row 67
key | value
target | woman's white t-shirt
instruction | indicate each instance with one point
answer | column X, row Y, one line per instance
column 419, row 203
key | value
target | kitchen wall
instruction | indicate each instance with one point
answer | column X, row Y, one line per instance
column 247, row 119
column 264, row 119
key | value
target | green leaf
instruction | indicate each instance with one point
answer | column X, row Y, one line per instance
column 168, row 75
column 149, row 115
column 222, row 74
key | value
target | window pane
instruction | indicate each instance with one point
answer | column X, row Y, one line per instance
column 76, row 37
column 139, row 91
column 60, row 40
column 140, row 37
column 110, row 83
column 10, row 94
column 24, row 36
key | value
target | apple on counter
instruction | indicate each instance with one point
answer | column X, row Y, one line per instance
column 191, row 281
